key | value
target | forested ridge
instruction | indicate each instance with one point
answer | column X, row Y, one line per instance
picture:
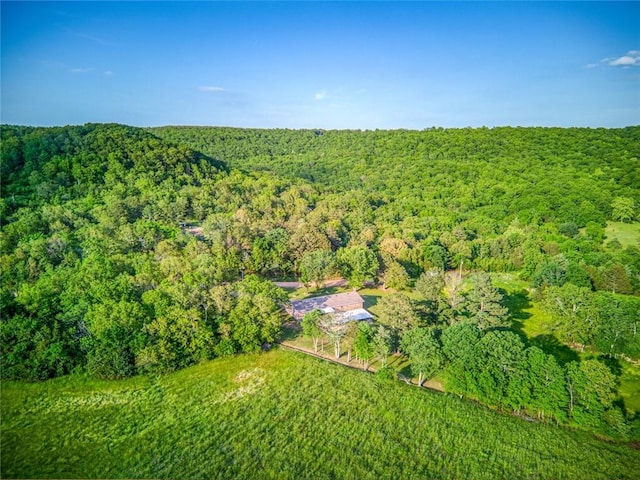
column 454, row 175
column 100, row 272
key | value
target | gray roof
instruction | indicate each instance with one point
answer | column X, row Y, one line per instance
column 337, row 301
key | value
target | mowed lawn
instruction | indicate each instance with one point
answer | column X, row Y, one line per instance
column 281, row 415
column 630, row 386
column 626, row 233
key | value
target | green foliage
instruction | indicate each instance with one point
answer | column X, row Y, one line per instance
column 114, row 335
column 430, row 284
column 316, row 266
column 571, row 307
column 269, row 253
column 446, row 172
column 424, row 351
column 281, row 415
column 538, row 386
column 311, row 327
column 617, row 321
column 124, row 253
column 550, row 274
column 256, row 318
column 591, row 387
column 398, row 312
column 484, row 303
column 382, row 343
column 485, row 373
column 358, row 264
column 602, row 320
column 363, row 344
column 458, row 341
column 386, row 373
column 623, row 209
column 332, row 325
column 396, row 277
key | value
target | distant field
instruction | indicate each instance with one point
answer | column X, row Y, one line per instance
column 626, row 233
column 281, row 415
column 630, row 386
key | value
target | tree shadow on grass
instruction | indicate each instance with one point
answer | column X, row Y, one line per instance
column 320, row 292
column 517, row 303
column 613, row 363
column 406, row 371
column 370, row 300
column 552, row 346
column 289, row 333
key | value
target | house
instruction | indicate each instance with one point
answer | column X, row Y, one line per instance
column 349, row 305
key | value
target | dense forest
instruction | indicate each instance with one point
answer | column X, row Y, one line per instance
column 128, row 251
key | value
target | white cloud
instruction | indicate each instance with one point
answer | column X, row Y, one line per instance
column 108, row 73
column 625, row 60
column 208, row 88
column 80, row 70
column 322, row 95
column 631, row 58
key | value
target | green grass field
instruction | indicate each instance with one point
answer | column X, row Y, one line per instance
column 281, row 415
column 630, row 386
column 626, row 233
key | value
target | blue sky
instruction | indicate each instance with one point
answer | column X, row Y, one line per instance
column 360, row 65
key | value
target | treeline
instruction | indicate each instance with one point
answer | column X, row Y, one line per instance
column 99, row 272
column 499, row 368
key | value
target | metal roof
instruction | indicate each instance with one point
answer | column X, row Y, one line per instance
column 357, row 314
column 326, row 302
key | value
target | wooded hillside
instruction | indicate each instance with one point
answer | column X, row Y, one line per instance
column 100, row 272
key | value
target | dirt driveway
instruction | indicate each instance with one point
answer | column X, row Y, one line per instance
column 335, row 282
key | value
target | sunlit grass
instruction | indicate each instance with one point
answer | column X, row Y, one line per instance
column 525, row 313
column 281, row 415
column 630, row 386
column 626, row 233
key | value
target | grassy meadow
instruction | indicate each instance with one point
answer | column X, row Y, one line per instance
column 281, row 415
column 625, row 233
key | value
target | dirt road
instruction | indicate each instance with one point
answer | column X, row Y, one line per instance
column 335, row 282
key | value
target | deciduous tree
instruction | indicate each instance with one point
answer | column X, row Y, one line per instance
column 311, row 327
column 484, row 303
column 358, row 264
column 398, row 312
column 363, row 345
column 424, row 351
